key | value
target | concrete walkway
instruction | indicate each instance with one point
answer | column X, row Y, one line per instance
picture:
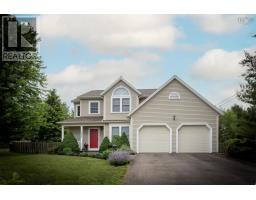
column 169, row 169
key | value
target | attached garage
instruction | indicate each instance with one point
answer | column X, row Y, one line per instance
column 194, row 138
column 154, row 139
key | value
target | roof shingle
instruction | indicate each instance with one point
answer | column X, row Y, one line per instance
column 96, row 94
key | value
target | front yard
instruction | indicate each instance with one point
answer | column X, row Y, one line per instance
column 57, row 169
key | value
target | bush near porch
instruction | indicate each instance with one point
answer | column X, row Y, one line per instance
column 57, row 169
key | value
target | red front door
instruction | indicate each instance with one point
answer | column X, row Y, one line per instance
column 94, row 138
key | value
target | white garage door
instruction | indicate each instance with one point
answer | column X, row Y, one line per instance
column 194, row 139
column 154, row 139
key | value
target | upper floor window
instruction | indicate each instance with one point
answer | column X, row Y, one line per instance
column 77, row 110
column 120, row 100
column 94, row 107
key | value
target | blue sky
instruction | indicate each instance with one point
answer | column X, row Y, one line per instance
column 84, row 52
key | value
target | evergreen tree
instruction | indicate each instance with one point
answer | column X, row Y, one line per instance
column 54, row 111
column 21, row 87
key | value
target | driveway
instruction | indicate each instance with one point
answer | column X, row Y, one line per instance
column 188, row 169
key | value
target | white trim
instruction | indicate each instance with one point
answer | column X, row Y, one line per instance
column 104, row 107
column 120, row 127
column 194, row 124
column 174, row 93
column 121, row 97
column 217, row 133
column 81, row 137
column 184, row 84
column 154, row 124
column 131, row 133
column 77, row 109
column 89, row 107
column 125, row 81
column 93, row 149
column 62, row 133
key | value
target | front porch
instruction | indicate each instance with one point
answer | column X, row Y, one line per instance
column 90, row 135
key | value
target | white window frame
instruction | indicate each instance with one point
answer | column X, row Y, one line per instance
column 121, row 97
column 76, row 113
column 120, row 129
column 89, row 107
column 174, row 93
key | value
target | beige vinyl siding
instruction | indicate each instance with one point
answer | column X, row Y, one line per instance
column 108, row 115
column 84, row 107
column 189, row 109
column 194, row 139
column 154, row 139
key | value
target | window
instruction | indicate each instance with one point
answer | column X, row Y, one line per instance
column 119, row 130
column 115, row 131
column 120, row 100
column 125, row 104
column 94, row 107
column 174, row 95
column 116, row 105
column 77, row 110
column 125, row 129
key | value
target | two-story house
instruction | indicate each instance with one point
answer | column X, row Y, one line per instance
column 172, row 118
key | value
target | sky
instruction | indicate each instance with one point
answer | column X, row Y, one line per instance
column 86, row 52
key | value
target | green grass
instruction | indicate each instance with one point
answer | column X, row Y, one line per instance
column 57, row 169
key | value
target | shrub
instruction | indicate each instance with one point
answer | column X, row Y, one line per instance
column 105, row 154
column 236, row 146
column 70, row 142
column 83, row 154
column 67, row 151
column 99, row 155
column 116, row 141
column 118, row 158
column 124, row 147
column 125, row 140
column 104, row 145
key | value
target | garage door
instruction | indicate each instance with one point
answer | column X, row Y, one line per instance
column 194, row 139
column 154, row 139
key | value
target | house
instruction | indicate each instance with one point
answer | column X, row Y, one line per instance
column 172, row 118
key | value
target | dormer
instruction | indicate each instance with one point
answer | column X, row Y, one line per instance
column 119, row 99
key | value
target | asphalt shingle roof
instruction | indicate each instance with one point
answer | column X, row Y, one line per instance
column 92, row 119
column 96, row 94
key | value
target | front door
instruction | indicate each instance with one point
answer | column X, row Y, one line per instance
column 94, row 138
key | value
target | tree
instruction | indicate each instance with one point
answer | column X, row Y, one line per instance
column 248, row 90
column 237, row 127
column 125, row 140
column 54, row 111
column 21, row 86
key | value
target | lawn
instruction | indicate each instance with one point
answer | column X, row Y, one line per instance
column 57, row 169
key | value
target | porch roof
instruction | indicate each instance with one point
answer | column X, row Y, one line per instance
column 79, row 120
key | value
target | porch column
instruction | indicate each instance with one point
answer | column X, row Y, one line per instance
column 81, row 137
column 62, row 133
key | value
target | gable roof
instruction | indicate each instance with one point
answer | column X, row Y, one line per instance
column 184, row 84
column 125, row 81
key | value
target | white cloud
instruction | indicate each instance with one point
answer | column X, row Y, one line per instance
column 112, row 33
column 218, row 24
column 218, row 64
column 77, row 79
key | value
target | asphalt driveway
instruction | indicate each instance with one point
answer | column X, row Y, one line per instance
column 189, row 169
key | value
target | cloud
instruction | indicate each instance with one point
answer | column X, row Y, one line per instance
column 218, row 24
column 218, row 64
column 77, row 79
column 112, row 33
